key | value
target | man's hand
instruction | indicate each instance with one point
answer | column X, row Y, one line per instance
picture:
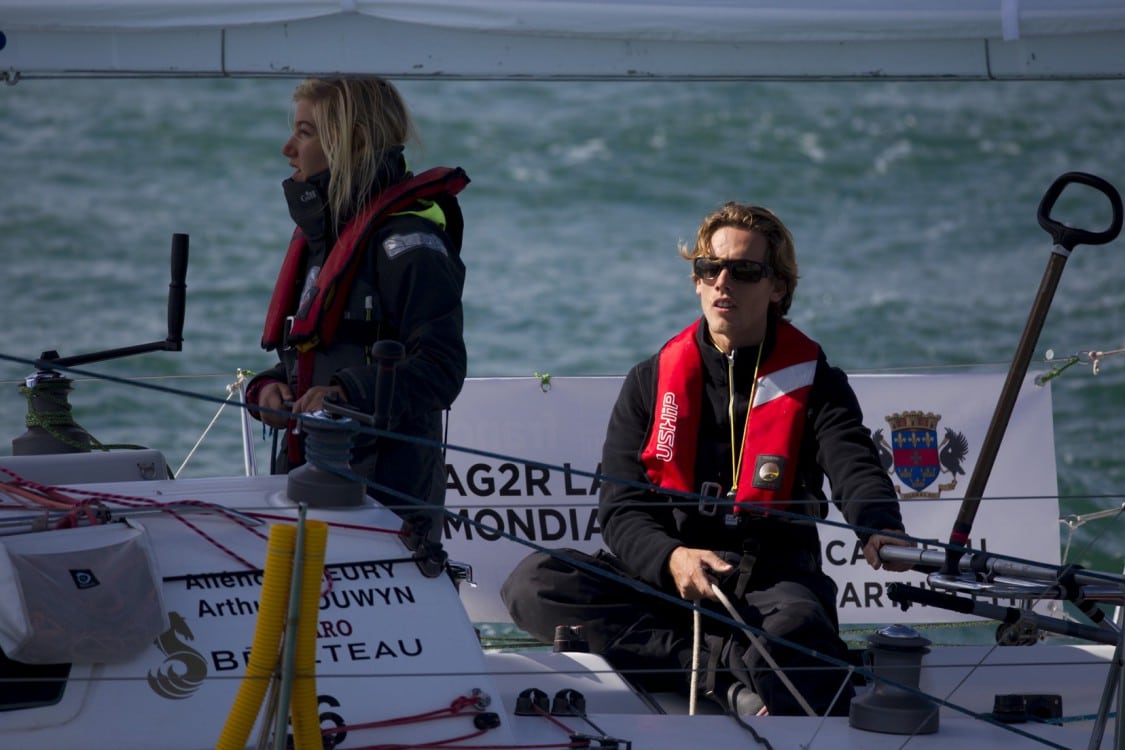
column 871, row 550
column 691, row 570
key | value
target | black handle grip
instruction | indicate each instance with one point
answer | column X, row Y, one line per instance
column 1066, row 236
column 177, row 289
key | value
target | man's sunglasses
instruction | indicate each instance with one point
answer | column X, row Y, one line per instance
column 748, row 271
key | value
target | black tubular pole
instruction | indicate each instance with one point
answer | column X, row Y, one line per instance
column 177, row 298
column 1065, row 238
column 177, row 291
column 963, row 525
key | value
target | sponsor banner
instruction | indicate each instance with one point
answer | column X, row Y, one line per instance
column 376, row 615
column 538, row 487
column 356, row 595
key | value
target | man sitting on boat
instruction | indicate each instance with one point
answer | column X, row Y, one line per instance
column 707, row 499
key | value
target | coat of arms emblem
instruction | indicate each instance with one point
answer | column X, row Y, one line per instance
column 918, row 457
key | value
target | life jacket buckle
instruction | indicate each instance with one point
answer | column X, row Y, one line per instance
column 285, row 329
column 712, row 490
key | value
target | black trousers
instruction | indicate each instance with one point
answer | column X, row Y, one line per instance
column 649, row 639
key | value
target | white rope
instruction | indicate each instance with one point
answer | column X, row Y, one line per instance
column 1073, row 522
column 230, row 394
column 696, row 637
column 756, row 642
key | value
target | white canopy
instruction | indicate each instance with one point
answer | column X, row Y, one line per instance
column 567, row 39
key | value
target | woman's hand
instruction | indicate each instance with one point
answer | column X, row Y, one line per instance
column 274, row 396
column 313, row 399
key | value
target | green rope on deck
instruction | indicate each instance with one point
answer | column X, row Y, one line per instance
column 58, row 421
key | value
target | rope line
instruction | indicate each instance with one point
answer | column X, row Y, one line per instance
column 87, row 506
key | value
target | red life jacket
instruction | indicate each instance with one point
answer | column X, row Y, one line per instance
column 319, row 324
column 777, row 418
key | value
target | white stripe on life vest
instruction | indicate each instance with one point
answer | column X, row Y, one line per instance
column 784, row 381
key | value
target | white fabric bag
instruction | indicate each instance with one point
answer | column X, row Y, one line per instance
column 88, row 594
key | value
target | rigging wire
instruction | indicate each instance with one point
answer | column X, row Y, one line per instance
column 1092, row 358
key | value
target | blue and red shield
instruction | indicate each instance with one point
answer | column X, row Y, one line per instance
column 915, row 449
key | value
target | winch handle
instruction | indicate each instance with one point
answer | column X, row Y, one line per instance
column 1065, row 239
column 177, row 292
column 1067, row 236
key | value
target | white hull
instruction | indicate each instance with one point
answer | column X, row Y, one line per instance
column 394, row 643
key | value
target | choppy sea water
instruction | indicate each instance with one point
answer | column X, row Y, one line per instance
column 913, row 206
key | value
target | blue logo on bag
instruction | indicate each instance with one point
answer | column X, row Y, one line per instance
column 84, row 579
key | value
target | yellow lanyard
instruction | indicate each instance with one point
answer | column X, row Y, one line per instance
column 736, row 454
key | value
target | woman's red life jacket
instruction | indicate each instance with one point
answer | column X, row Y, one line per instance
column 318, row 324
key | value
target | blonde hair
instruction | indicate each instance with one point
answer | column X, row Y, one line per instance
column 781, row 255
column 356, row 119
